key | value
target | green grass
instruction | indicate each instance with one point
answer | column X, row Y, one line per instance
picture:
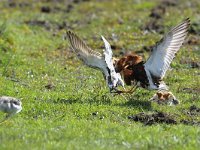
column 63, row 117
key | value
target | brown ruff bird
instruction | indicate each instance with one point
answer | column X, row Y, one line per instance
column 150, row 74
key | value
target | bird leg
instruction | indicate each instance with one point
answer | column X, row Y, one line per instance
column 125, row 91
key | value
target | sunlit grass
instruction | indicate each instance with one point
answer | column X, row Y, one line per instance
column 78, row 112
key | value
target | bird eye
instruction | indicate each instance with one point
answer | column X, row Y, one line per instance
column 16, row 103
column 175, row 101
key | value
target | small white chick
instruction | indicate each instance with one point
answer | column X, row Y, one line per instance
column 10, row 105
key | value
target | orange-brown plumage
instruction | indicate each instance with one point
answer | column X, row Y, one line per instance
column 126, row 61
column 132, row 69
column 150, row 74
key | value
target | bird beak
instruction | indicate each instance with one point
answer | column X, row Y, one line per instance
column 125, row 67
column 175, row 102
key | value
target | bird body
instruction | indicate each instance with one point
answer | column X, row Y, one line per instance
column 150, row 74
column 97, row 60
column 164, row 97
column 10, row 105
column 137, row 72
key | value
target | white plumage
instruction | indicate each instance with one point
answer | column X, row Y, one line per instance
column 96, row 60
column 10, row 105
column 164, row 52
column 114, row 77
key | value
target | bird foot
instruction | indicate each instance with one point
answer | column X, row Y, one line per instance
column 116, row 91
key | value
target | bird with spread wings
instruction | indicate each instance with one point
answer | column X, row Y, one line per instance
column 97, row 60
column 147, row 74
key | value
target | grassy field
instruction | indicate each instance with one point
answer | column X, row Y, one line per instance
column 67, row 105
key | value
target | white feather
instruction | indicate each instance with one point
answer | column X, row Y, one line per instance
column 116, row 78
column 86, row 54
column 164, row 52
column 96, row 60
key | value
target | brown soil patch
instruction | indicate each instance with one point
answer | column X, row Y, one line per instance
column 149, row 119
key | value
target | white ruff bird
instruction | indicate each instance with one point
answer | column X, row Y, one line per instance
column 10, row 105
column 96, row 60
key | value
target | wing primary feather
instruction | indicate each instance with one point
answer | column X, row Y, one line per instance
column 179, row 33
column 86, row 54
column 165, row 50
column 185, row 22
column 79, row 45
column 114, row 77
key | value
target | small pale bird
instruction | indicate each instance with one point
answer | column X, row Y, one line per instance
column 10, row 105
column 97, row 60
column 164, row 97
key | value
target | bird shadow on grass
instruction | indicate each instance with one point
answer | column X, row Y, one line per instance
column 67, row 100
column 106, row 100
column 138, row 104
column 93, row 100
column 144, row 105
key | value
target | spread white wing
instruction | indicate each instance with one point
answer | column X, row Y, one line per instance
column 164, row 52
column 96, row 60
column 115, row 77
column 86, row 54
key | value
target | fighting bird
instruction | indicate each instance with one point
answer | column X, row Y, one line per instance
column 97, row 60
column 10, row 106
column 150, row 74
